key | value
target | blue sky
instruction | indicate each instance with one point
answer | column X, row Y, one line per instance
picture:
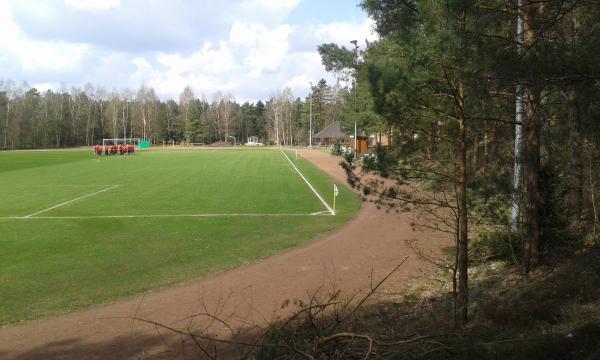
column 250, row 49
column 326, row 11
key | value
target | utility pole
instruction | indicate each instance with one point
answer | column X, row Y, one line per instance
column 355, row 141
column 355, row 63
column 519, row 109
column 310, row 133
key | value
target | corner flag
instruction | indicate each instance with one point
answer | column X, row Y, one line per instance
column 336, row 193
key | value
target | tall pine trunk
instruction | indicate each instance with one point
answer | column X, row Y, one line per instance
column 532, row 129
column 532, row 167
column 463, row 239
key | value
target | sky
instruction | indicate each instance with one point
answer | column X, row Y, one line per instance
column 250, row 49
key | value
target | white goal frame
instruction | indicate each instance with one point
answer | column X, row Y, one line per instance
column 168, row 143
column 123, row 141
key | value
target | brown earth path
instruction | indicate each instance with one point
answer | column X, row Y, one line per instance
column 374, row 242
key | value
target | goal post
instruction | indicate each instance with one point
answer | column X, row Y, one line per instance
column 141, row 144
column 168, row 143
column 121, row 141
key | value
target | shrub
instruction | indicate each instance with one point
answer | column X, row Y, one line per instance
column 499, row 245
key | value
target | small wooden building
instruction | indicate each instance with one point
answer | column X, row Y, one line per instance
column 362, row 144
column 332, row 134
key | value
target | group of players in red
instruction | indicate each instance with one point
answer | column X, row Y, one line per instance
column 114, row 150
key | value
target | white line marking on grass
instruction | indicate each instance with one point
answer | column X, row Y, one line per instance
column 158, row 216
column 309, row 185
column 64, row 185
column 70, row 201
column 12, row 187
column 321, row 213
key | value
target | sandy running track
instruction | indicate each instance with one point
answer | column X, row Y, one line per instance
column 373, row 242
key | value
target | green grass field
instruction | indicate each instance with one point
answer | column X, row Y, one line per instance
column 78, row 230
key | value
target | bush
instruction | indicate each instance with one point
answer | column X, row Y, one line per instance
column 369, row 161
column 499, row 245
column 543, row 300
column 555, row 217
column 581, row 343
column 336, row 149
column 556, row 238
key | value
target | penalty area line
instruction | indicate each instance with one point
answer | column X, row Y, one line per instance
column 309, row 185
column 324, row 213
column 68, row 202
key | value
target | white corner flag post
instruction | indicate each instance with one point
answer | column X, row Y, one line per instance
column 336, row 193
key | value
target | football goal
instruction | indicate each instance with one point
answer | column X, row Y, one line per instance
column 121, row 141
column 168, row 143
column 141, row 144
column 253, row 141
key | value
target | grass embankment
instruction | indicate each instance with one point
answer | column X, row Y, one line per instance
column 74, row 258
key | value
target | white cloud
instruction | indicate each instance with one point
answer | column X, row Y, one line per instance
column 211, row 58
column 30, row 56
column 143, row 72
column 279, row 6
column 43, row 87
column 245, row 34
column 299, row 82
column 141, row 63
column 344, row 32
column 306, row 67
column 133, row 26
column 268, row 12
column 253, row 53
column 93, row 5
column 51, row 57
column 267, row 48
column 206, row 70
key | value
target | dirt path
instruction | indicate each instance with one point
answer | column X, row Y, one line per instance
column 374, row 242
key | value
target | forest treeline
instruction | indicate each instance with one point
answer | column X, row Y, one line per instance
column 453, row 81
column 31, row 119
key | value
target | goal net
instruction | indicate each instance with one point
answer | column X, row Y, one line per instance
column 121, row 141
column 168, row 143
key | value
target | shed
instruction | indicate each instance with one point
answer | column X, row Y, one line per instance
column 332, row 134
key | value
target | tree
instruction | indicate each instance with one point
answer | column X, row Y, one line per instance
column 425, row 83
column 279, row 109
column 9, row 92
column 75, row 117
column 146, row 109
column 185, row 100
column 559, row 41
column 442, row 77
column 223, row 105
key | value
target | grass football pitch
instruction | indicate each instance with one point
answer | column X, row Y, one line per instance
column 77, row 230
